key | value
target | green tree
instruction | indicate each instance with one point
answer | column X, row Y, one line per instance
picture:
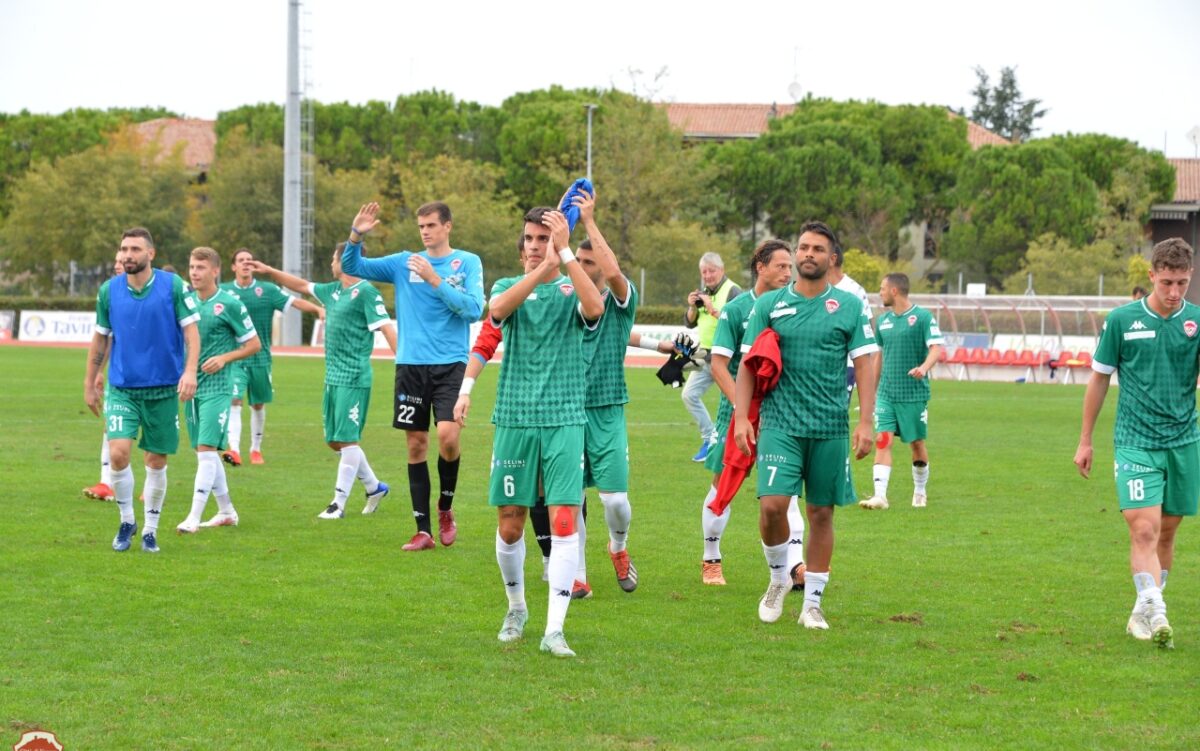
column 1137, row 272
column 94, row 195
column 1011, row 194
column 669, row 252
column 244, row 199
column 1001, row 109
column 1060, row 268
column 543, row 143
column 864, row 268
column 27, row 138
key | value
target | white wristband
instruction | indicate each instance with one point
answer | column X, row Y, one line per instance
column 566, row 255
column 648, row 342
column 465, row 389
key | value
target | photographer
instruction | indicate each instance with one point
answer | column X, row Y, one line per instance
column 704, row 308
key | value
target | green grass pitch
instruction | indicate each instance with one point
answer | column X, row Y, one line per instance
column 992, row 619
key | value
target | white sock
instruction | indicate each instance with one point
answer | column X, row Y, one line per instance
column 581, row 533
column 1163, row 580
column 814, row 587
column 207, row 463
column 920, row 478
column 347, row 471
column 714, row 527
column 777, row 561
column 617, row 514
column 221, row 490
column 122, row 485
column 563, row 553
column 795, row 552
column 1147, row 590
column 882, row 473
column 235, row 428
column 258, row 421
column 512, row 570
column 105, row 469
column 365, row 475
column 155, row 492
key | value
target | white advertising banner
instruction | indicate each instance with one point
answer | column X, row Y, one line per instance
column 57, row 326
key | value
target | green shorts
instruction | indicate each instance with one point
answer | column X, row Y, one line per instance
column 344, row 411
column 126, row 412
column 1166, row 477
column 817, row 469
column 207, row 417
column 520, row 456
column 908, row 421
column 252, row 384
column 606, row 449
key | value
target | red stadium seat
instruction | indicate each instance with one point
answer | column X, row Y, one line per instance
column 977, row 356
column 993, row 357
column 1042, row 357
column 1009, row 357
column 1082, row 360
column 1025, row 359
column 1064, row 357
column 960, row 356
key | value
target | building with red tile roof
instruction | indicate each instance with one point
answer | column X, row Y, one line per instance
column 198, row 136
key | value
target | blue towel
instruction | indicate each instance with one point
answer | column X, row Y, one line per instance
column 579, row 187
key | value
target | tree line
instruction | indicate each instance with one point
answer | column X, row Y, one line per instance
column 1053, row 207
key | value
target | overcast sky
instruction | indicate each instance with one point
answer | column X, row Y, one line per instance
column 1130, row 69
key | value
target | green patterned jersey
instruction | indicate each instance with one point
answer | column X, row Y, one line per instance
column 731, row 327
column 262, row 299
column 606, row 373
column 352, row 316
column 1156, row 360
column 544, row 370
column 224, row 326
column 905, row 339
column 815, row 336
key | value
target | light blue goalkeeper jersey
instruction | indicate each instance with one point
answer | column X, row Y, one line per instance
column 432, row 323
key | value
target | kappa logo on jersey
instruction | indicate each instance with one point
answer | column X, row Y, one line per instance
column 831, row 305
column 218, row 309
column 781, row 304
column 912, row 320
column 887, row 324
column 455, row 264
column 1137, row 326
column 566, row 289
column 258, row 291
column 1189, row 328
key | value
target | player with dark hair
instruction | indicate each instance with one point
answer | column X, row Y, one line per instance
column 539, row 416
column 802, row 447
column 439, row 294
column 155, row 352
column 911, row 343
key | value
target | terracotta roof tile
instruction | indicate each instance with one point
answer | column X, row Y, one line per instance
column 200, row 137
column 1187, row 180
column 725, row 121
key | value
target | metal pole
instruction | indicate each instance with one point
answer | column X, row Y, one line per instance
column 1101, row 292
column 590, row 109
column 290, row 335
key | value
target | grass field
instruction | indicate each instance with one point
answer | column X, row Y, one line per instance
column 992, row 619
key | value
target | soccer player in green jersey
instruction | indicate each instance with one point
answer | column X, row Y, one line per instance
column 252, row 376
column 155, row 352
column 354, row 311
column 802, row 447
column 770, row 269
column 911, row 342
column 606, row 442
column 227, row 336
column 1154, row 344
column 539, row 416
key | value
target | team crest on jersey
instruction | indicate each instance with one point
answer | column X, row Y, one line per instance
column 455, row 264
column 354, row 293
column 912, row 320
column 566, row 289
column 258, row 291
column 1189, row 328
column 832, row 305
column 218, row 308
